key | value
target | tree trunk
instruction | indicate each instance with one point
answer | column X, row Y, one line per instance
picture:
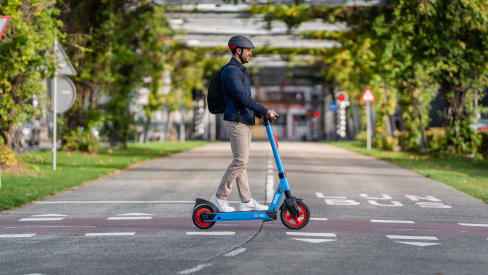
column 147, row 124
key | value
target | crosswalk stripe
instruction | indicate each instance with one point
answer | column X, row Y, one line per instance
column 128, row 218
column 391, row 221
column 474, row 224
column 213, row 233
column 110, row 234
column 16, row 235
column 40, row 219
column 319, row 219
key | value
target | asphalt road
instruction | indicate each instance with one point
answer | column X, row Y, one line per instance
column 368, row 217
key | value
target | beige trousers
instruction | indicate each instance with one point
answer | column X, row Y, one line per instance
column 240, row 143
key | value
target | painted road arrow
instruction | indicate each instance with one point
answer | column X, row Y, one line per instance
column 314, row 240
column 419, row 243
column 418, row 238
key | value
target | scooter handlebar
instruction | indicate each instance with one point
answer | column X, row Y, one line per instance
column 267, row 120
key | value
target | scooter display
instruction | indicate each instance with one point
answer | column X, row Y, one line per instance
column 294, row 213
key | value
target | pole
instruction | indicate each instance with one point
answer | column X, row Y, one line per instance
column 368, row 124
column 54, row 100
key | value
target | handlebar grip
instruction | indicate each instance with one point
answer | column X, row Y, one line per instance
column 267, row 121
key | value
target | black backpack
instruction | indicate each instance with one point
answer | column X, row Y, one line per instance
column 215, row 94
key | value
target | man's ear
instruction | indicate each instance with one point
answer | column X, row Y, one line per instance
column 237, row 51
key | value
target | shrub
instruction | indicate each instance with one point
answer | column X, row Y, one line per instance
column 483, row 149
column 7, row 157
column 80, row 140
column 437, row 141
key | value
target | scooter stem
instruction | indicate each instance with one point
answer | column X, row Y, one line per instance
column 269, row 130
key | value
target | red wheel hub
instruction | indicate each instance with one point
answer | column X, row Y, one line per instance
column 199, row 220
column 302, row 215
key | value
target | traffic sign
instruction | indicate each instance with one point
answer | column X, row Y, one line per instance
column 65, row 66
column 3, row 24
column 65, row 94
column 342, row 96
column 333, row 106
column 368, row 96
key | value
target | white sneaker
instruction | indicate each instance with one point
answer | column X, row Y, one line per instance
column 222, row 205
column 252, row 205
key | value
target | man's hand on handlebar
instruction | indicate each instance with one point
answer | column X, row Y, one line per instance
column 272, row 115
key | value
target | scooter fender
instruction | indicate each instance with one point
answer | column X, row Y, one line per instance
column 291, row 204
column 212, row 206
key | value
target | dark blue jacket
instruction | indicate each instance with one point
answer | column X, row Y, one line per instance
column 236, row 85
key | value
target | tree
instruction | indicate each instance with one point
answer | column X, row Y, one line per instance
column 86, row 24
column 453, row 35
column 25, row 60
column 138, row 36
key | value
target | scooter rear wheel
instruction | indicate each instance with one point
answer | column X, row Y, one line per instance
column 196, row 217
column 299, row 222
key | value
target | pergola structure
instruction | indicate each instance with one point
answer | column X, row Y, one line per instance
column 212, row 23
column 302, row 101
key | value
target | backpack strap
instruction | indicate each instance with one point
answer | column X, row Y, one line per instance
column 228, row 64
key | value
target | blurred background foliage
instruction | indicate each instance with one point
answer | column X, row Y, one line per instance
column 407, row 51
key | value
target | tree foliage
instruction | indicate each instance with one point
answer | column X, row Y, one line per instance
column 407, row 51
column 25, row 60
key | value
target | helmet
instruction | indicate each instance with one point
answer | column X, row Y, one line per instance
column 240, row 41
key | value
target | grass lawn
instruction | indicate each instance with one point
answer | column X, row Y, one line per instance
column 466, row 175
column 37, row 180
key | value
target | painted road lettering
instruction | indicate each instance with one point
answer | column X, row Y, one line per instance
column 384, row 200
column 428, row 201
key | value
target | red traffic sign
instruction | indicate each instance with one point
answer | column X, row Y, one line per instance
column 3, row 24
column 342, row 96
column 368, row 96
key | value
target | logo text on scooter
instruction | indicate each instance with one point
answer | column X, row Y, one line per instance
column 275, row 200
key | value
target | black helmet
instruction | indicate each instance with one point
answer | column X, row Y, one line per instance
column 240, row 41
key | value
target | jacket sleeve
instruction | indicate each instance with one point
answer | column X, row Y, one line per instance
column 232, row 80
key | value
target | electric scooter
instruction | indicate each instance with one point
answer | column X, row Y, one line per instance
column 294, row 213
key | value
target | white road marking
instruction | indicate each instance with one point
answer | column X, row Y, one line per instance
column 128, row 218
column 340, row 201
column 314, row 240
column 310, row 234
column 432, row 205
column 194, row 269
column 49, row 226
column 419, row 243
column 409, row 237
column 110, row 234
column 393, row 203
column 40, row 219
column 135, row 214
column 391, row 221
column 474, row 224
column 320, row 195
column 49, row 215
column 384, row 197
column 426, row 198
column 44, row 217
column 319, row 219
column 235, row 252
column 215, row 233
column 17, row 235
column 116, row 202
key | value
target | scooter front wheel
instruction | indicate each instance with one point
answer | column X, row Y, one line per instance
column 299, row 222
column 197, row 220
